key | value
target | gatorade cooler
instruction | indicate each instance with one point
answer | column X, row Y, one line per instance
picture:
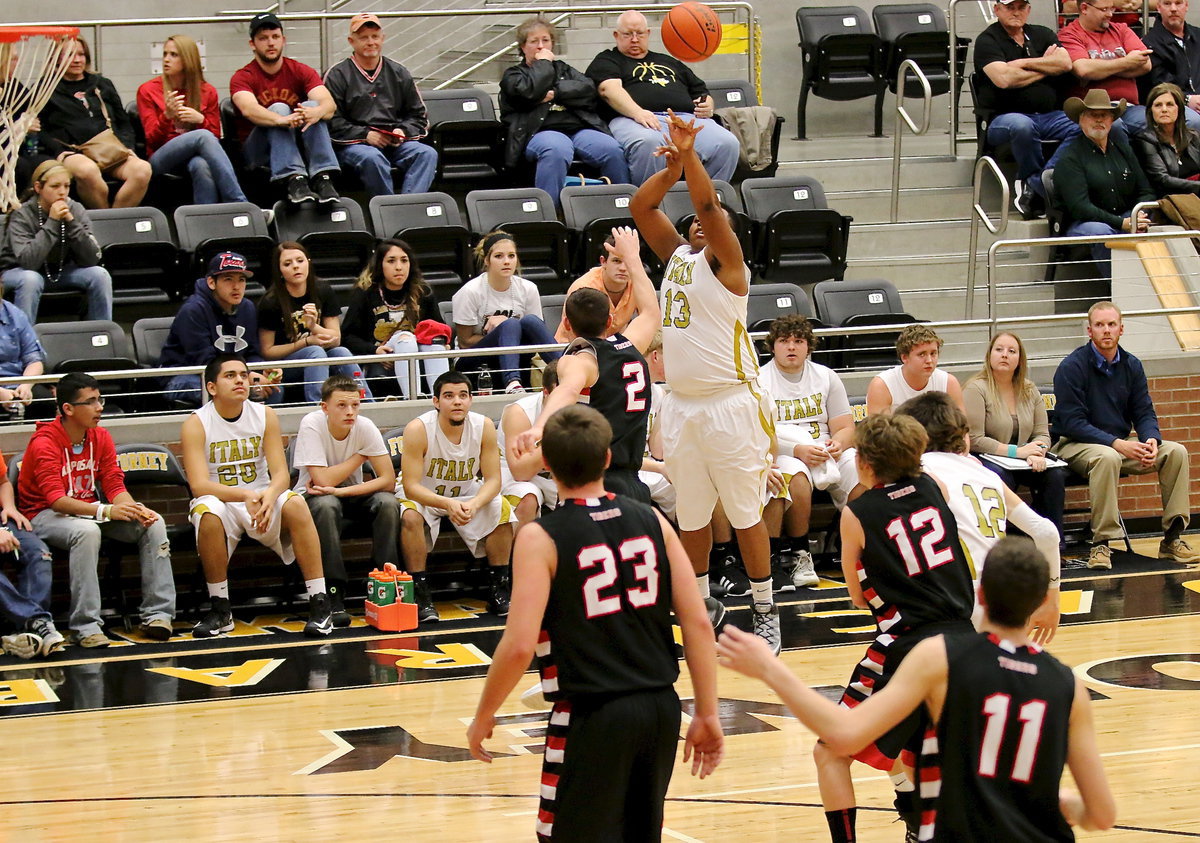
column 389, row 605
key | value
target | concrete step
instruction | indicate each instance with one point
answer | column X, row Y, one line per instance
column 916, row 204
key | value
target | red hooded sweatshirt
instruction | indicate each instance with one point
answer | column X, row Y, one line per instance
column 50, row 470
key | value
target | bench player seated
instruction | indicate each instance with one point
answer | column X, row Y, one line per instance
column 654, row 470
column 451, row 467
column 1006, row 716
column 236, row 467
column 814, row 432
column 982, row 504
column 524, row 479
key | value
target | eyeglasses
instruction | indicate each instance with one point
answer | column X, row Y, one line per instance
column 91, row 402
column 641, row 34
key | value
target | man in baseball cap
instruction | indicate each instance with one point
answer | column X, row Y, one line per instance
column 216, row 318
column 380, row 117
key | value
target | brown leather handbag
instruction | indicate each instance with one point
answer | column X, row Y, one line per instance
column 105, row 148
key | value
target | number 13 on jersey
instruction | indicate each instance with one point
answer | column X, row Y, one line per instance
column 676, row 309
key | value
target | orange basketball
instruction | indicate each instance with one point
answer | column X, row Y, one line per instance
column 691, row 31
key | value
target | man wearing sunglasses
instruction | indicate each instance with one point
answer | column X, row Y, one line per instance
column 73, row 492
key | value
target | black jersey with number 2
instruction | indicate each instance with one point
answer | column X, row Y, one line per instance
column 912, row 570
column 1003, row 743
column 607, row 624
column 621, row 394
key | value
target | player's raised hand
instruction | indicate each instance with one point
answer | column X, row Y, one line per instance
column 747, row 654
column 682, row 132
column 479, row 731
column 528, row 441
column 704, row 745
column 626, row 244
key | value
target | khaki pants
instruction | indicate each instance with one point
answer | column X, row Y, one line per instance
column 1103, row 466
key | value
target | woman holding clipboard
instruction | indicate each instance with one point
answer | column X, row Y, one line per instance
column 1010, row 432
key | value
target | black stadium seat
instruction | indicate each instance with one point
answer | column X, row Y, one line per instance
column 848, row 304
column 139, row 253
column 149, row 335
column 798, row 237
column 334, row 234
column 467, row 136
column 205, row 230
column 590, row 213
column 528, row 214
column 843, row 59
column 917, row 32
column 432, row 225
column 738, row 93
column 94, row 345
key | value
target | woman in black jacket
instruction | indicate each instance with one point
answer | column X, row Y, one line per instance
column 83, row 105
column 1168, row 150
column 549, row 108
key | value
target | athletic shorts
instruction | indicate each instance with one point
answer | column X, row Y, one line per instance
column 718, row 447
column 843, row 476
column 497, row 512
column 606, row 767
column 236, row 521
column 542, row 488
column 662, row 492
column 872, row 674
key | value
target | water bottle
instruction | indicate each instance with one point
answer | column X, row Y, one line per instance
column 31, row 143
column 484, row 381
column 362, row 384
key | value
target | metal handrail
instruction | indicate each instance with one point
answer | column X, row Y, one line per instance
column 954, row 81
column 490, row 58
column 978, row 215
column 98, row 24
column 902, row 115
column 1068, row 241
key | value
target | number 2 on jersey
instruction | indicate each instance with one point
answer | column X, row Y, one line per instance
column 634, row 374
column 645, row 570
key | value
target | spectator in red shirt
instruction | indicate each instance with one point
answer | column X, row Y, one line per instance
column 1107, row 55
column 284, row 105
column 179, row 115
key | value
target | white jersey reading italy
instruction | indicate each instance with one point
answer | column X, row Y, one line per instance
column 450, row 470
column 235, row 448
column 705, row 344
column 976, row 497
column 811, row 399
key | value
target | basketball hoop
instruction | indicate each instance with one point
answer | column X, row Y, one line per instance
column 31, row 66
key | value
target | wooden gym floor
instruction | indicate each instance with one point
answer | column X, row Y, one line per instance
column 266, row 736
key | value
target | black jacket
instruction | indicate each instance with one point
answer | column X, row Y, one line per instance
column 1162, row 163
column 73, row 114
column 522, row 89
column 1171, row 63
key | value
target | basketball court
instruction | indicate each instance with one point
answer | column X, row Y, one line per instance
column 265, row 735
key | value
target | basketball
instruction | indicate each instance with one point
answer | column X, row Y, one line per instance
column 691, row 31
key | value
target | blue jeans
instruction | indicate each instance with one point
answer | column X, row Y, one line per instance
column 555, row 151
column 27, row 287
column 1100, row 253
column 405, row 342
column 1024, row 133
column 81, row 538
column 314, row 376
column 30, row 597
column 277, row 148
column 188, row 389
column 717, row 147
column 528, row 330
column 415, row 160
column 200, row 154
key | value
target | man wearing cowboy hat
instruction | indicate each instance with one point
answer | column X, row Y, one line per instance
column 1098, row 176
column 1107, row 56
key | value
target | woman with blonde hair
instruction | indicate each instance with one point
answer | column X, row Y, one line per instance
column 1008, row 420
column 1168, row 149
column 180, row 115
column 49, row 244
column 500, row 309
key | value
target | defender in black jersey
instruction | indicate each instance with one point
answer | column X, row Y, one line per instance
column 609, row 372
column 1006, row 714
column 902, row 559
column 592, row 598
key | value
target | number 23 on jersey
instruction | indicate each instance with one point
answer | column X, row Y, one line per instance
column 600, row 598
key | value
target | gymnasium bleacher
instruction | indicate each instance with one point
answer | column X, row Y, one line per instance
column 843, row 225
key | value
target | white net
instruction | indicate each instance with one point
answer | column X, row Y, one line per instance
column 32, row 63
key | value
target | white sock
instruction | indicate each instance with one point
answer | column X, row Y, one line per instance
column 760, row 593
column 901, row 782
column 702, row 581
column 219, row 589
column 315, row 586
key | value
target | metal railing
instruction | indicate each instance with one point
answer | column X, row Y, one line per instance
column 978, row 215
column 739, row 8
column 902, row 118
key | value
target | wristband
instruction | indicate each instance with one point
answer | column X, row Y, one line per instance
column 103, row 513
column 1012, row 451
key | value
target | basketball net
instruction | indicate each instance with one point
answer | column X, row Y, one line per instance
column 32, row 62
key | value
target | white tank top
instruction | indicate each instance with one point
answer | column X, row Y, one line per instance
column 531, row 405
column 706, row 348
column 900, row 389
column 235, row 448
column 976, row 499
column 451, row 470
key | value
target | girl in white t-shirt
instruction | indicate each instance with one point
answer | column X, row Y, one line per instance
column 500, row 309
